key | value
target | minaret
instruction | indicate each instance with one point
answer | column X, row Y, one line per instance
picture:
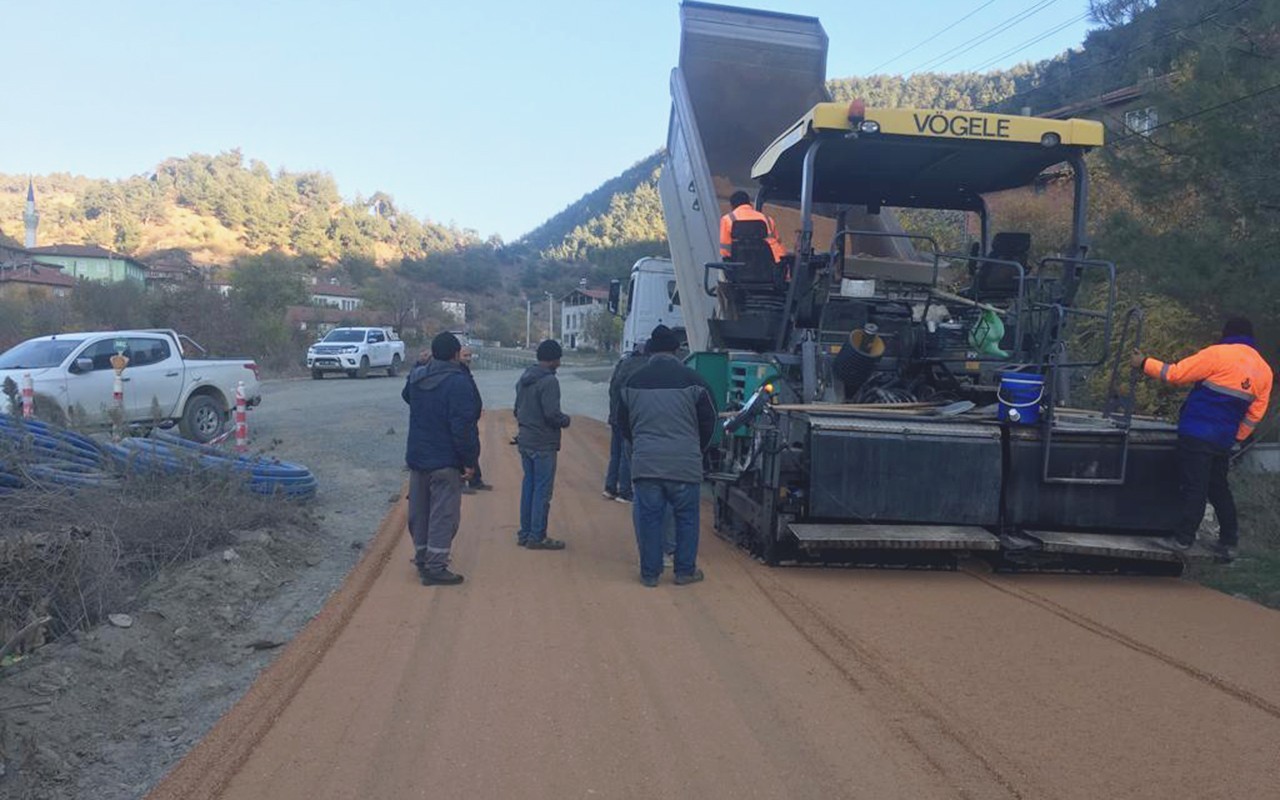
column 31, row 217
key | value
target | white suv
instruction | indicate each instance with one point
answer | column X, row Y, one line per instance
column 355, row 351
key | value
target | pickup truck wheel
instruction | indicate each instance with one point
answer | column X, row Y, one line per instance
column 363, row 370
column 316, row 375
column 202, row 420
column 394, row 369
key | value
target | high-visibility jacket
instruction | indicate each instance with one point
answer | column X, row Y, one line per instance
column 748, row 212
column 1232, row 390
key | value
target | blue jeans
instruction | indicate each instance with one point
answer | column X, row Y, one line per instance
column 653, row 498
column 617, row 479
column 535, row 493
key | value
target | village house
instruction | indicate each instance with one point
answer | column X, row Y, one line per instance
column 30, row 281
column 91, row 263
column 171, row 269
column 329, row 292
column 576, row 310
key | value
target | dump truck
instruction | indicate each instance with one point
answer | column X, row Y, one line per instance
column 887, row 403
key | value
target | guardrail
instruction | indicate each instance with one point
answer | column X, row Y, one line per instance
column 495, row 358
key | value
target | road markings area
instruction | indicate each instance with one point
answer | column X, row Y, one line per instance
column 558, row 675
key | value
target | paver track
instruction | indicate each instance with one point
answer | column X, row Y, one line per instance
column 558, row 675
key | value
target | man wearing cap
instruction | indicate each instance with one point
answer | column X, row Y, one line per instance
column 538, row 414
column 1232, row 387
column 442, row 452
column 668, row 415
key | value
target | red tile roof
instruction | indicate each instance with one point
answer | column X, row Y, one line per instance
column 75, row 250
column 594, row 294
column 37, row 275
column 295, row 314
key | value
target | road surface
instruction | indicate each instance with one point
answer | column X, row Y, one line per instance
column 558, row 675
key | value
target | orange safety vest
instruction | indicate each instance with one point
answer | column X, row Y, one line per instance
column 748, row 212
column 1232, row 390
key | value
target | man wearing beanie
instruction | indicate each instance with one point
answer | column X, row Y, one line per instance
column 538, row 414
column 1232, row 387
column 442, row 452
column 667, row 413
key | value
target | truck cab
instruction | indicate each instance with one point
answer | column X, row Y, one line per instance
column 652, row 299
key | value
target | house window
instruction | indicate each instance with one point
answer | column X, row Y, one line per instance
column 1141, row 120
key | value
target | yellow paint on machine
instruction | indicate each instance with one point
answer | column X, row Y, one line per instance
column 939, row 124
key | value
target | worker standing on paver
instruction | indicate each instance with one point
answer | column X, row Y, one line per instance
column 442, row 452
column 541, row 420
column 668, row 415
column 617, row 478
column 1232, row 390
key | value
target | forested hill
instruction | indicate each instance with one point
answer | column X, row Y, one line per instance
column 220, row 208
column 623, row 212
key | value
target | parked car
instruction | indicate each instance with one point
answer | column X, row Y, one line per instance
column 73, row 379
column 355, row 351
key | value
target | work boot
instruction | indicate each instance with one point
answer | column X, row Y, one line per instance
column 692, row 577
column 439, row 577
column 544, row 544
column 1183, row 542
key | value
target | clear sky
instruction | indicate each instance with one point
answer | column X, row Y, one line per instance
column 492, row 114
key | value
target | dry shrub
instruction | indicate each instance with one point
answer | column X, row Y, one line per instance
column 76, row 557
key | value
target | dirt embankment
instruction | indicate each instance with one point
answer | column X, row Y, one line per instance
column 105, row 712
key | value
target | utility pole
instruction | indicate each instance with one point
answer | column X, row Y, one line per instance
column 528, row 321
column 551, row 315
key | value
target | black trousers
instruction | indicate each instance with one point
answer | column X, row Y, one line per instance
column 476, row 480
column 1202, row 470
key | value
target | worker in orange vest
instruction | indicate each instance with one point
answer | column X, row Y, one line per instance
column 1232, row 390
column 740, row 209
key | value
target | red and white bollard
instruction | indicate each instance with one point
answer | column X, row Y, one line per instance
column 117, row 400
column 28, row 396
column 242, row 420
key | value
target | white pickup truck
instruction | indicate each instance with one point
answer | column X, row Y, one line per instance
column 355, row 351
column 72, row 377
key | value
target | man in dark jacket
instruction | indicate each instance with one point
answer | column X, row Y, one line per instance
column 442, row 452
column 1232, row 390
column 617, row 478
column 477, row 480
column 669, row 416
column 538, row 413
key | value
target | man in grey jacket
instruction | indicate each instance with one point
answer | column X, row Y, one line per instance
column 538, row 413
column 617, row 477
column 668, row 414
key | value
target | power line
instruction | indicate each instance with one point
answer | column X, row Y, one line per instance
column 1074, row 75
column 930, row 39
column 1199, row 113
column 1030, row 42
column 986, row 35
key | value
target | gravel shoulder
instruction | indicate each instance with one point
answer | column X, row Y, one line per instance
column 106, row 713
